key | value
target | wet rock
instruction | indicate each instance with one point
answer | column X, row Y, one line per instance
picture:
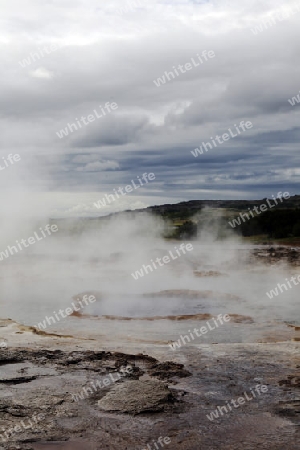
column 290, row 409
column 191, row 294
column 18, row 380
column 168, row 369
column 276, row 255
column 153, row 318
column 238, row 318
column 292, row 381
column 135, row 397
column 210, row 273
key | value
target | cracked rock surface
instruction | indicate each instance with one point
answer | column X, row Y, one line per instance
column 137, row 396
column 151, row 401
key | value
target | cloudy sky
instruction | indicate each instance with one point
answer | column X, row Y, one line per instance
column 62, row 59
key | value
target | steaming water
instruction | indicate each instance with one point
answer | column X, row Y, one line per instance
column 45, row 278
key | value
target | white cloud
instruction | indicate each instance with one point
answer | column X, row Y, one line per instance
column 41, row 72
column 99, row 166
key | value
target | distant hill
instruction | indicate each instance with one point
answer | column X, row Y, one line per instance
column 282, row 221
column 185, row 220
column 191, row 207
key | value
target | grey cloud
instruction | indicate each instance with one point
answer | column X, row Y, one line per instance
column 105, row 58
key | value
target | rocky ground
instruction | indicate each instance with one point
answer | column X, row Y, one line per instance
column 274, row 255
column 41, row 408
